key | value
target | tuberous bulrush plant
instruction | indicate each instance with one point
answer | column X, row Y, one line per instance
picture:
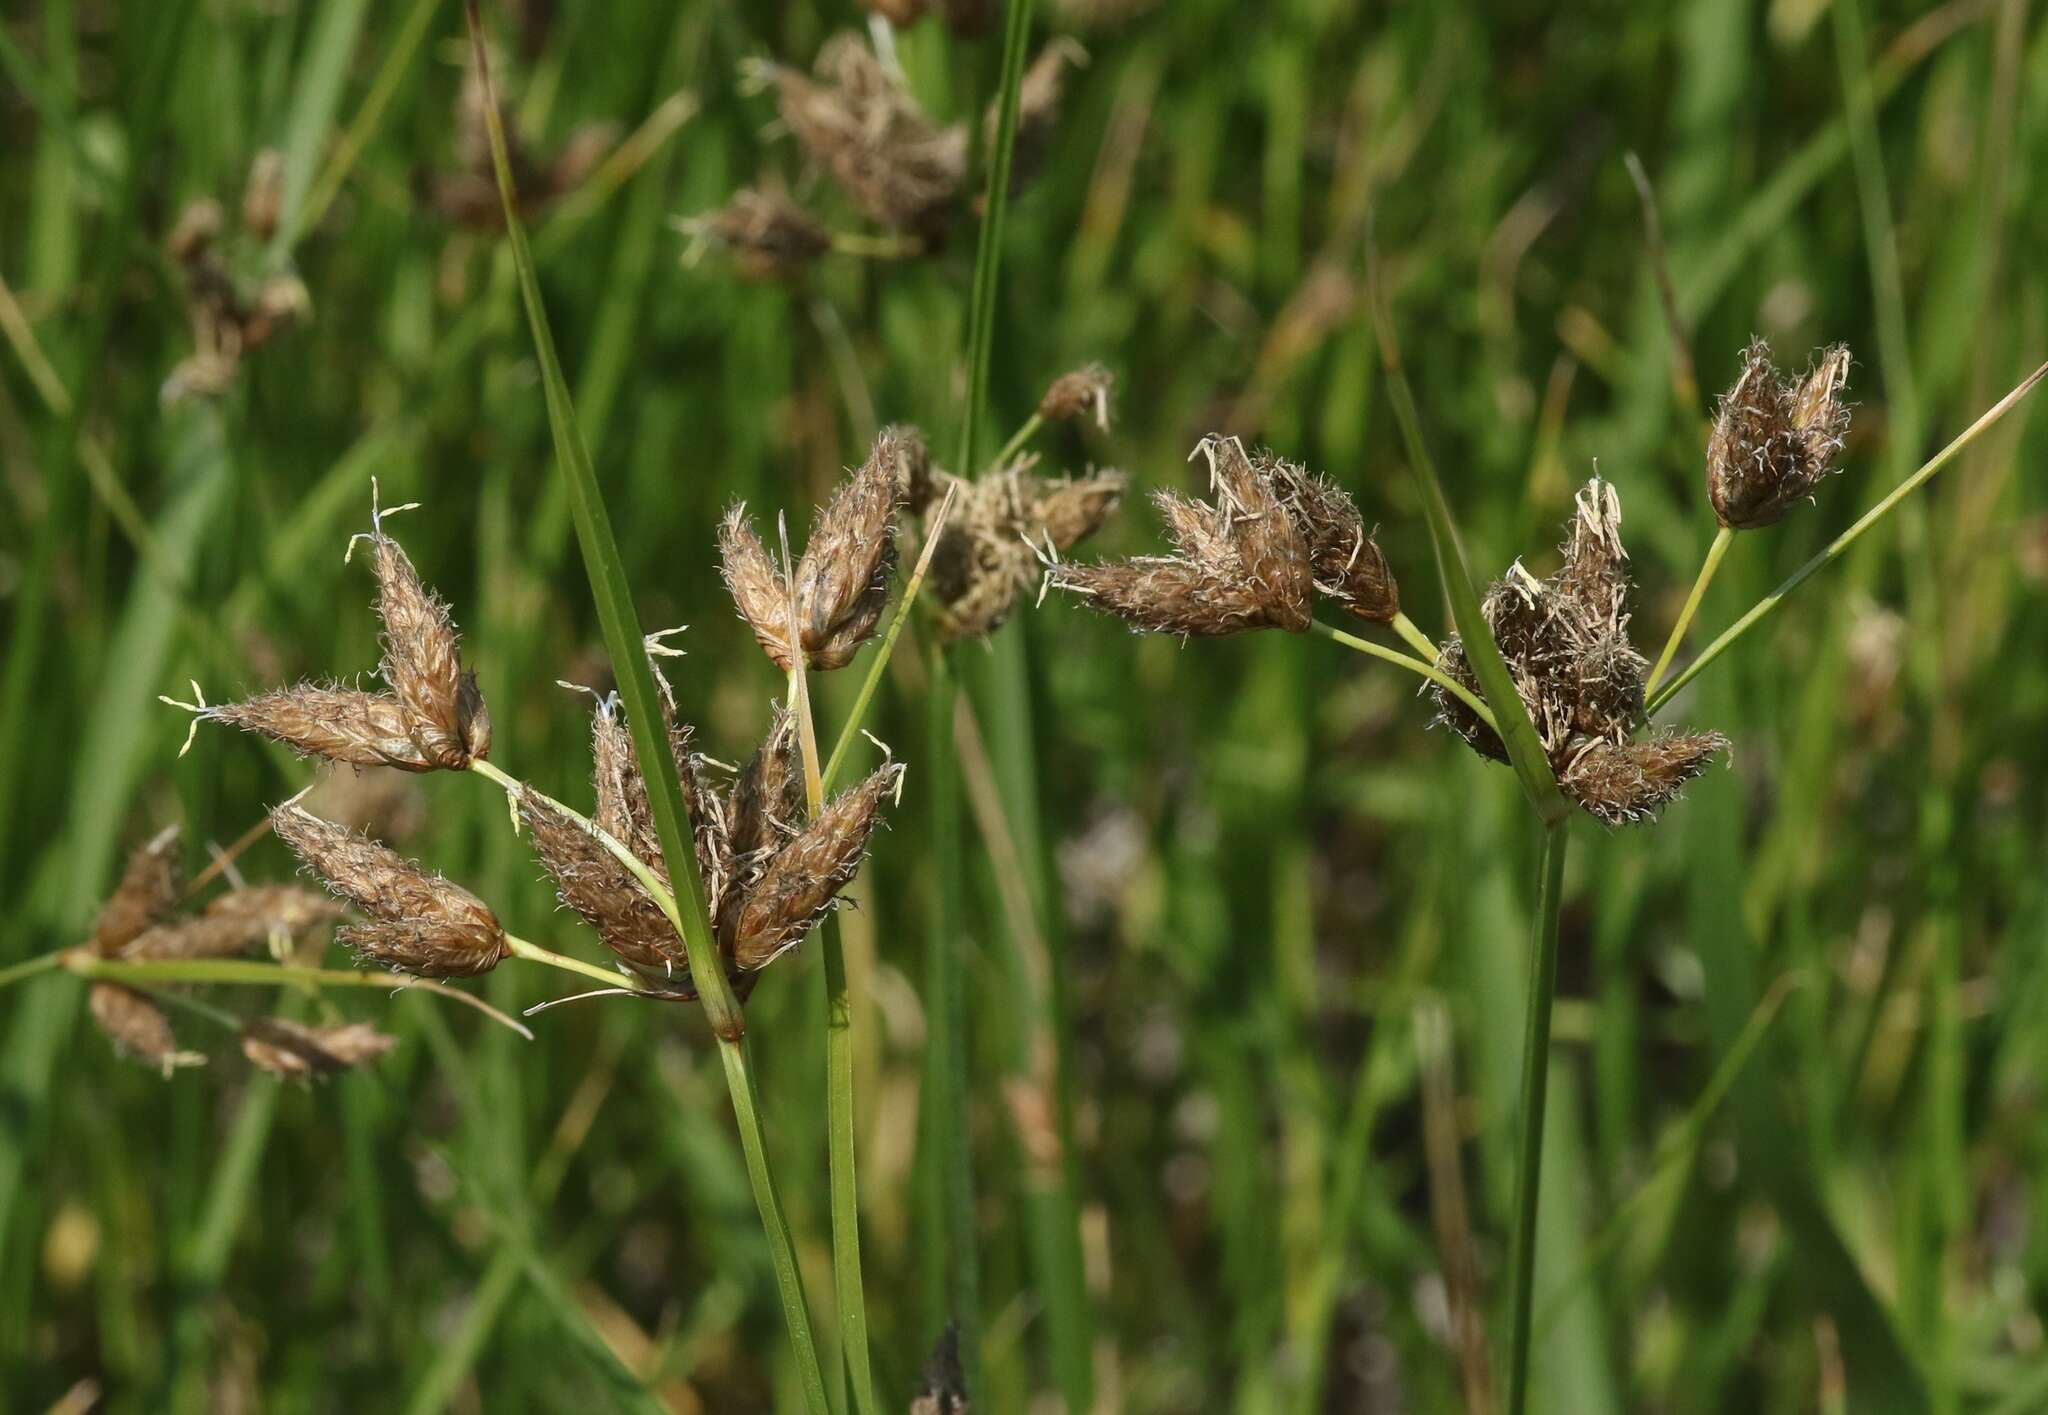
column 235, row 301
column 855, row 121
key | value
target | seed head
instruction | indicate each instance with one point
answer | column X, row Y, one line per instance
column 137, row 1027
column 263, row 197
column 296, row 1052
column 1347, row 562
column 335, row 723
column 968, row 19
column 1242, row 562
column 420, row 923
column 857, row 122
column 916, row 487
column 1083, row 393
column 198, row 227
column 1566, row 646
column 766, row 805
column 756, row 582
column 942, row 1389
column 799, row 885
column 999, row 532
column 592, row 881
column 235, row 922
column 767, row 234
column 148, row 890
column 423, row 663
column 1775, row 439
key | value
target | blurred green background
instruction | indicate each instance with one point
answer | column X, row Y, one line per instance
column 1796, row 1151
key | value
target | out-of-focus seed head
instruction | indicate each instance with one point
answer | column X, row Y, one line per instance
column 942, row 1388
column 842, row 582
column 918, row 486
column 1083, row 393
column 595, row 884
column 1000, row 533
column 281, row 303
column 148, row 890
column 421, row 923
column 857, row 122
column 1565, row 642
column 337, row 724
column 806, row 875
column 1242, row 562
column 1775, row 439
column 198, row 227
column 297, row 1052
column 1635, row 780
column 1346, row 561
column 263, row 197
column 759, row 591
column 768, row 236
column 423, row 663
column 897, row 12
column 1038, row 110
column 137, row 1027
column 236, row 922
column 969, row 19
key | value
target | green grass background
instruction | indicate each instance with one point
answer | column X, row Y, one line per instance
column 1261, row 878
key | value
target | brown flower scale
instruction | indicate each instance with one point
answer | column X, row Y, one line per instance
column 1775, row 439
column 1565, row 642
column 294, row 1051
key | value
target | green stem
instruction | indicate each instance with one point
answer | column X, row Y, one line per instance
column 1535, row 1092
column 1017, row 440
column 1719, row 548
column 534, row 953
column 1425, row 648
column 855, row 243
column 848, row 1288
column 29, row 967
column 1841, row 543
column 1413, row 665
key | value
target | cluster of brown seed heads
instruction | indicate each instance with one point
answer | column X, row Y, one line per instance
column 140, row 922
column 232, row 310
column 858, row 123
column 468, row 194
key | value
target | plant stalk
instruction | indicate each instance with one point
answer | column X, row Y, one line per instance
column 1535, row 1093
column 1719, row 548
column 1413, row 665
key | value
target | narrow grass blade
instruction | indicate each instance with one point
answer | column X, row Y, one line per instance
column 1535, row 1093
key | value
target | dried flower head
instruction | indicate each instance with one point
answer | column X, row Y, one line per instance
column 595, row 884
column 230, row 313
column 1566, row 645
column 1347, row 562
column 263, row 196
column 1083, row 393
column 842, row 581
column 147, row 892
column 1241, row 562
column 334, row 723
column 1001, row 531
column 235, row 922
column 297, row 1052
column 803, row 879
column 423, row 661
column 1775, row 439
column 857, row 122
column 766, row 804
column 198, row 226
column 468, row 195
column 420, row 923
column 137, row 1027
column 968, row 19
column 768, row 236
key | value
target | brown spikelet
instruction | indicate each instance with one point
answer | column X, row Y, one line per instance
column 263, row 197
column 917, row 488
column 766, row 804
column 1000, row 527
column 1775, row 439
column 338, row 724
column 807, row 874
column 236, row 922
column 842, row 582
column 137, row 1027
column 1082, row 393
column 1242, row 563
column 296, row 1052
column 758, row 589
column 968, row 19
column 1565, row 642
column 423, row 663
column 1632, row 782
column 767, row 235
column 623, row 811
column 1348, row 564
column 198, row 227
column 423, row 924
column 148, row 890
column 857, row 122
column 593, row 882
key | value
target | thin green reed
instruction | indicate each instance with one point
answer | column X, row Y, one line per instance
column 623, row 640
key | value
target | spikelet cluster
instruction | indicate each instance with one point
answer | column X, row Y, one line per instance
column 840, row 585
column 433, row 717
column 1565, row 641
column 1775, row 439
column 766, row 233
column 232, row 308
column 139, row 923
column 1253, row 558
column 468, row 196
column 294, row 1051
column 417, row 923
column 769, row 873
